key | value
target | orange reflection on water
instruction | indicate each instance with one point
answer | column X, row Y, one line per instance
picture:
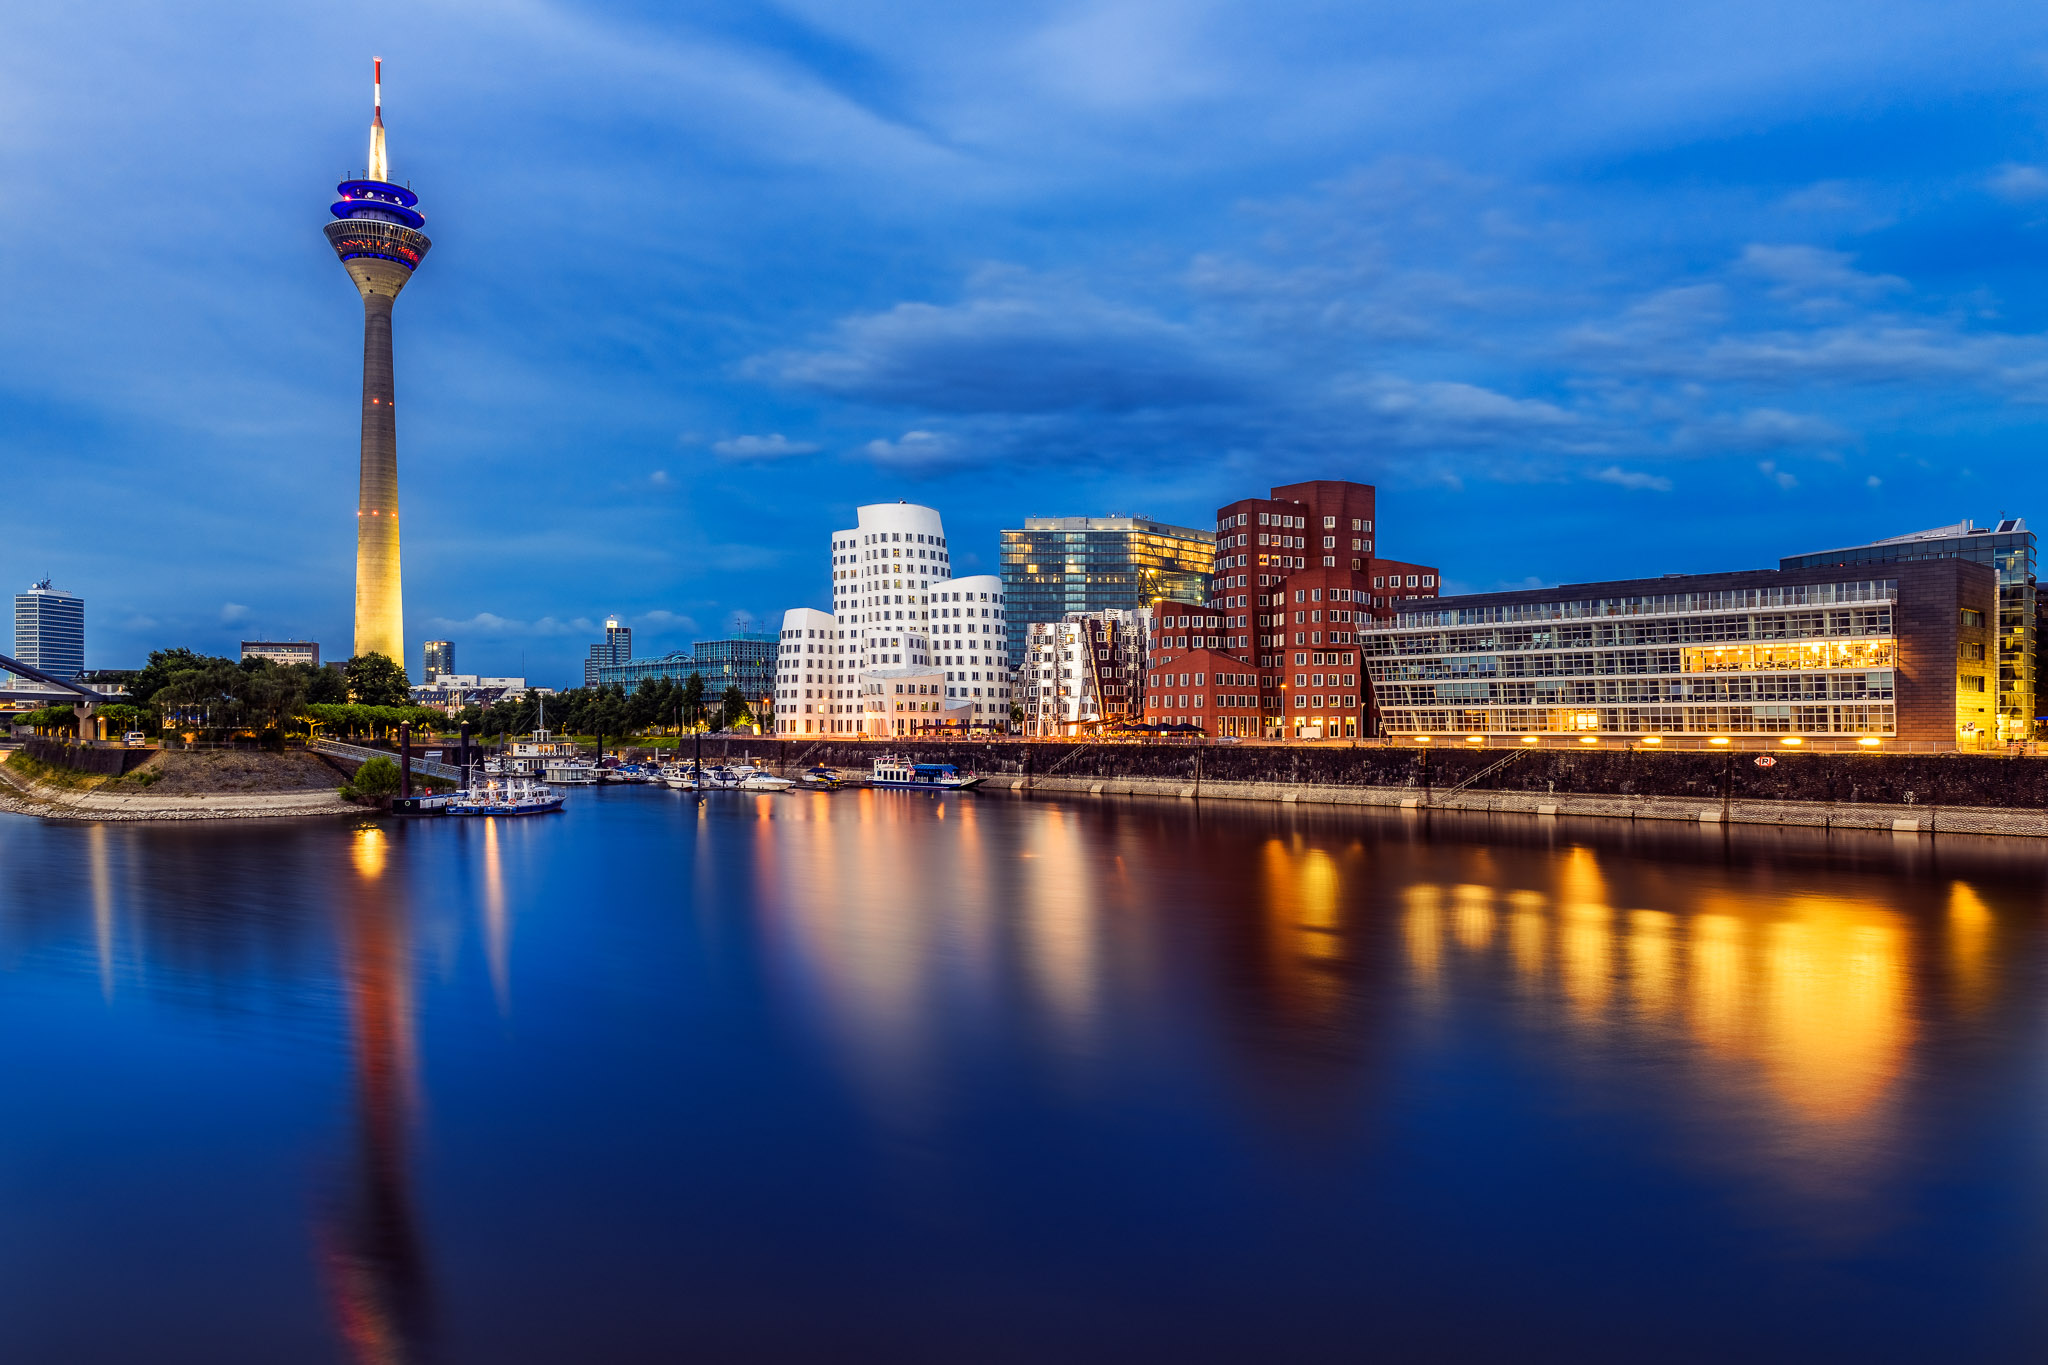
column 497, row 928
column 1585, row 949
column 1422, row 927
column 1834, row 1014
column 1652, row 961
column 1527, row 930
column 1969, row 940
column 1472, row 915
column 1717, row 985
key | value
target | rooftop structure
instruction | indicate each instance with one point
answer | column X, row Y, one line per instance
column 282, row 651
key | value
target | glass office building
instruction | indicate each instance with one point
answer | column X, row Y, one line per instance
column 1056, row 566
column 2008, row 548
column 746, row 661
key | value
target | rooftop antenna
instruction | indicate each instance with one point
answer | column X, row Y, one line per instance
column 380, row 164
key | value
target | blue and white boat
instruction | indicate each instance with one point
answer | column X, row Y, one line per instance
column 929, row 777
column 506, row 796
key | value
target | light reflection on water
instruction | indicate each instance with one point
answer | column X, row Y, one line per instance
column 880, row 1050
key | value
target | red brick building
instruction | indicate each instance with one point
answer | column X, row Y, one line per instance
column 1295, row 573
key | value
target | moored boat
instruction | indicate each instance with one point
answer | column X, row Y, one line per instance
column 506, row 796
column 902, row 772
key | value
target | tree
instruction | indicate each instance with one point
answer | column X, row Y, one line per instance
column 733, row 708
column 377, row 781
column 162, row 666
column 375, row 680
column 693, row 700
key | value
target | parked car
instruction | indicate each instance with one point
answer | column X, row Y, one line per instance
column 135, row 739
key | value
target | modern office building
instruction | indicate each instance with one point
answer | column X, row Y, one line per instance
column 746, row 661
column 1900, row 654
column 2007, row 547
column 1057, row 566
column 616, row 648
column 1084, row 673
column 283, row 651
column 376, row 234
column 49, row 630
column 440, row 658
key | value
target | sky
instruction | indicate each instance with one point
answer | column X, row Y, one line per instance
column 1589, row 290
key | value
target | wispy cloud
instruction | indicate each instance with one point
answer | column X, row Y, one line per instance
column 774, row 446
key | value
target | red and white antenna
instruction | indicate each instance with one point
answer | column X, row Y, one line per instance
column 380, row 164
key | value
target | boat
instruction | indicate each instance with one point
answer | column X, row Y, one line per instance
column 822, row 779
column 902, row 772
column 634, row 772
column 506, row 796
column 682, row 777
column 754, row 779
column 569, row 772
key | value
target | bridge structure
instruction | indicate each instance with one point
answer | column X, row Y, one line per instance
column 53, row 690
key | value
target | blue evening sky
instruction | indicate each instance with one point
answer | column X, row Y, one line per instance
column 1588, row 289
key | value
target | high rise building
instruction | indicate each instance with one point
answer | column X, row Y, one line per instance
column 378, row 239
column 2009, row 548
column 440, row 658
column 615, row 649
column 1056, row 566
column 49, row 630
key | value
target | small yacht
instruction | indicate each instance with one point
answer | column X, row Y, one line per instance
column 902, row 772
column 505, row 796
column 761, row 780
column 682, row 777
column 822, row 779
column 569, row 772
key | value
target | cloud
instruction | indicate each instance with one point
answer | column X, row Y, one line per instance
column 2020, row 183
column 1031, row 348
column 1783, row 478
column 489, row 625
column 1873, row 482
column 774, row 446
column 665, row 620
column 916, row 448
column 1813, row 270
column 659, row 478
column 1632, row 478
column 233, row 612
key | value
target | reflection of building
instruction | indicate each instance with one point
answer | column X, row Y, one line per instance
column 283, row 651
column 1818, row 652
column 377, row 236
column 616, row 648
column 1083, row 671
column 2008, row 548
column 440, row 658
column 1057, row 566
column 49, row 630
column 377, row 1272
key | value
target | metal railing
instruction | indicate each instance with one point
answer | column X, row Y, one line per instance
column 357, row 752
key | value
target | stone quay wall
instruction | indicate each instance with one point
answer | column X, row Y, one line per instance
column 1940, row 792
column 83, row 759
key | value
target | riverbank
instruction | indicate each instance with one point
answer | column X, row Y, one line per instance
column 200, row 785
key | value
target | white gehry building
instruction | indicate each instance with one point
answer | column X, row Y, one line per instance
column 907, row 648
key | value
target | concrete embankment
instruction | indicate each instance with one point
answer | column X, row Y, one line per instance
column 1956, row 793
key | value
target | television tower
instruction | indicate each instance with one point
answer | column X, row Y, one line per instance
column 377, row 236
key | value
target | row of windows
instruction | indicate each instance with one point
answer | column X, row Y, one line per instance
column 1824, row 686
column 1667, row 720
column 1862, row 655
column 1677, row 630
column 1657, row 604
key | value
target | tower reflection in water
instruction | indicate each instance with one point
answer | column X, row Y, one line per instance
column 376, row 1271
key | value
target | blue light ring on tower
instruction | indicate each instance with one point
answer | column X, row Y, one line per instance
column 377, row 199
column 354, row 237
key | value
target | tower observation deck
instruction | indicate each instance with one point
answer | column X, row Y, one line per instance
column 376, row 234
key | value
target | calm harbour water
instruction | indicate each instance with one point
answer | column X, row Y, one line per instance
column 875, row 1076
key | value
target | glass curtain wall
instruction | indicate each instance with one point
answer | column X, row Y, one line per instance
column 1061, row 565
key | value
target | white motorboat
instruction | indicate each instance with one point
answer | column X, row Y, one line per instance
column 902, row 772
column 569, row 772
column 505, row 796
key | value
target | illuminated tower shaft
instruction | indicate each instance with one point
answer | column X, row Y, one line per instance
column 377, row 236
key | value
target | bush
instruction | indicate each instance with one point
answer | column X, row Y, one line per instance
column 377, row 780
